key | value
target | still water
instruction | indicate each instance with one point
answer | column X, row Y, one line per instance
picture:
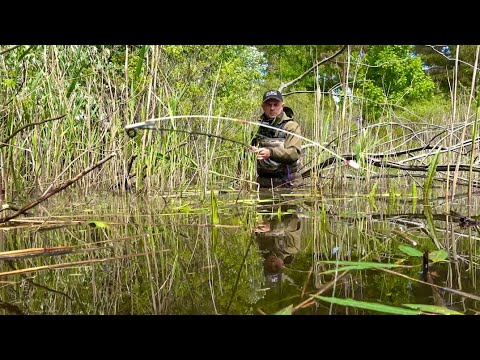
column 115, row 253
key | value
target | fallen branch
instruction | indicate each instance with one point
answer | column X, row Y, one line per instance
column 73, row 264
column 424, row 168
column 460, row 181
column 32, row 252
column 389, row 164
column 55, row 189
column 311, row 299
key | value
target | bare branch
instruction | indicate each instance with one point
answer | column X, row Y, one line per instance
column 9, row 49
column 283, row 86
column 303, row 92
column 449, row 58
column 5, row 141
column 56, row 189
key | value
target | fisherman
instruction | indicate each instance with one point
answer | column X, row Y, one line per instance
column 278, row 153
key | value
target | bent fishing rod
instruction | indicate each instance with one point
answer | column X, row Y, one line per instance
column 132, row 132
column 152, row 125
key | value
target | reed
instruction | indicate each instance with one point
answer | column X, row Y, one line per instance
column 100, row 89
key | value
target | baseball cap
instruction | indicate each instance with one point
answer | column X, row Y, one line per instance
column 272, row 94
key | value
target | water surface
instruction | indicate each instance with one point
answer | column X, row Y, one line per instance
column 117, row 253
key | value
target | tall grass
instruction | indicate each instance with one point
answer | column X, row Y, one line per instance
column 100, row 89
column 98, row 99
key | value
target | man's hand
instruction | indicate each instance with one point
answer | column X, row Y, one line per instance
column 262, row 153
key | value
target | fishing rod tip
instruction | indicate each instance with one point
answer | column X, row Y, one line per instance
column 353, row 164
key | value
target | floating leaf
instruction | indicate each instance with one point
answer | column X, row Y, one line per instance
column 358, row 267
column 359, row 263
column 433, row 309
column 354, row 265
column 369, row 306
column 410, row 251
column 98, row 224
column 285, row 311
column 438, row 255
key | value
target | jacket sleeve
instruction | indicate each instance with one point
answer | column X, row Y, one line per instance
column 292, row 147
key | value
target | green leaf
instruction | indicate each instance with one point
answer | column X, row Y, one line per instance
column 432, row 230
column 359, row 263
column 428, row 184
column 141, row 58
column 438, row 255
column 285, row 311
column 28, row 50
column 410, row 251
column 214, row 209
column 355, row 265
column 433, row 309
column 186, row 208
column 414, row 190
column 369, row 306
column 343, row 268
column 9, row 82
column 98, row 224
column 373, row 190
column 75, row 78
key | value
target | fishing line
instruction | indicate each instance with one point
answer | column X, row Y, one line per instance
column 151, row 125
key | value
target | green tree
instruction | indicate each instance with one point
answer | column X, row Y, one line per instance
column 287, row 62
column 232, row 74
column 439, row 62
column 392, row 75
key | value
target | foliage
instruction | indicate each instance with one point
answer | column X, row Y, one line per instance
column 410, row 251
column 392, row 75
column 287, row 62
column 100, row 89
column 98, row 224
column 439, row 62
column 231, row 75
column 369, row 306
column 355, row 265
column 432, row 169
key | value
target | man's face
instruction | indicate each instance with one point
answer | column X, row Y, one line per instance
column 263, row 227
column 272, row 108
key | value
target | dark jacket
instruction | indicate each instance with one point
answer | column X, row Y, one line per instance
column 281, row 169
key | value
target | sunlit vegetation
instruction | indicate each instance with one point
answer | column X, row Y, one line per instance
column 98, row 220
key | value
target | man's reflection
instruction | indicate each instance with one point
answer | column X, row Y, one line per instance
column 279, row 240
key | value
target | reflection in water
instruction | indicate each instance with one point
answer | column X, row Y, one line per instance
column 164, row 256
column 279, row 240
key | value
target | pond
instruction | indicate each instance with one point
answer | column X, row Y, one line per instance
column 249, row 253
